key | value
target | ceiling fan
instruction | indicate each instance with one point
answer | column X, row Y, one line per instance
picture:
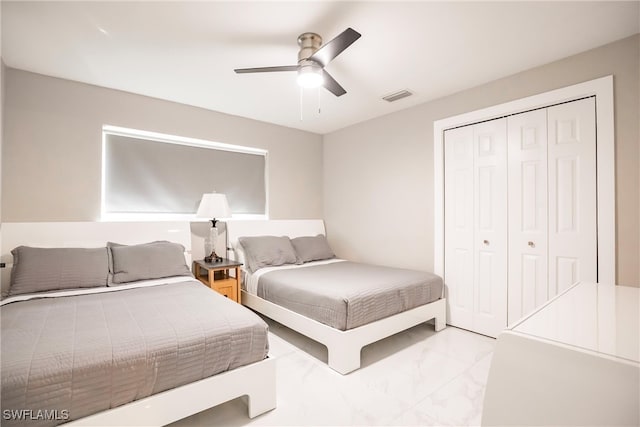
column 312, row 58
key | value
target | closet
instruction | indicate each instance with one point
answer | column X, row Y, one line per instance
column 519, row 213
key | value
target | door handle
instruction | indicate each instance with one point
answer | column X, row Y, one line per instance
column 486, row 242
column 531, row 244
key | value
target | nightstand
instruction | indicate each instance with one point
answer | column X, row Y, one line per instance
column 216, row 276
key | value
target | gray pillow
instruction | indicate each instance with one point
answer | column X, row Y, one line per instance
column 264, row 251
column 153, row 260
column 50, row 269
column 312, row 248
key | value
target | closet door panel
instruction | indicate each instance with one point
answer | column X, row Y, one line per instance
column 572, row 194
column 490, row 222
column 458, row 219
column 527, row 159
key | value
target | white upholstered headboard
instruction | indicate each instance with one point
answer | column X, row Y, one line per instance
column 279, row 227
column 87, row 235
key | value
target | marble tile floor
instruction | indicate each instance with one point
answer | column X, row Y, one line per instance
column 418, row 377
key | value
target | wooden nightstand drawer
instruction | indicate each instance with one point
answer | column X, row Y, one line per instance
column 227, row 291
column 224, row 283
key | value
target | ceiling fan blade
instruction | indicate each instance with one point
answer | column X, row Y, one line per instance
column 332, row 85
column 330, row 50
column 266, row 69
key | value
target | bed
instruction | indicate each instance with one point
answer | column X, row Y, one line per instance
column 141, row 351
column 341, row 304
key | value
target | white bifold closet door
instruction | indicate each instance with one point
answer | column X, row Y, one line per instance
column 573, row 238
column 459, row 226
column 552, row 203
column 476, row 237
column 520, row 213
column 528, row 206
column 490, row 217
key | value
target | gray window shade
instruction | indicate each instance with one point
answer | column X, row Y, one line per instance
column 146, row 176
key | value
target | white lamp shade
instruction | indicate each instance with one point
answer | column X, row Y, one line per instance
column 214, row 205
column 310, row 76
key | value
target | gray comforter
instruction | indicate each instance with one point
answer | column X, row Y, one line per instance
column 345, row 295
column 83, row 354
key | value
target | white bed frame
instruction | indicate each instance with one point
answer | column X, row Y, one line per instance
column 343, row 346
column 256, row 381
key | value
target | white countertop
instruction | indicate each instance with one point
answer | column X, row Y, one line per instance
column 597, row 317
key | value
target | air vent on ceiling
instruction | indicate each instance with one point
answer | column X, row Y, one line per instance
column 397, row 95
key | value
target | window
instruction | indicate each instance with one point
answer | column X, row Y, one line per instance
column 150, row 175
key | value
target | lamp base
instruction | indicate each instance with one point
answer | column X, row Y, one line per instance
column 213, row 257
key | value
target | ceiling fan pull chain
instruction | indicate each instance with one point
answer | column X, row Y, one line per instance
column 301, row 92
column 319, row 109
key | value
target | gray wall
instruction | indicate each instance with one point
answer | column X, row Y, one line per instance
column 2, row 86
column 52, row 148
column 378, row 175
column 376, row 182
column 2, row 89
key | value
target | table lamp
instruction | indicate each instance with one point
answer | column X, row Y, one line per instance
column 213, row 205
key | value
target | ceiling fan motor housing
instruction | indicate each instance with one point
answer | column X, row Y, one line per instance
column 309, row 43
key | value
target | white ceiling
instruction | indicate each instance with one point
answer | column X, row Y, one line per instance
column 186, row 51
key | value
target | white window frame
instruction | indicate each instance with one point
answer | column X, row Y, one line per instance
column 179, row 140
column 602, row 89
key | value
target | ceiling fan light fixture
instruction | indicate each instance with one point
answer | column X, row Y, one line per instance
column 310, row 76
column 312, row 58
